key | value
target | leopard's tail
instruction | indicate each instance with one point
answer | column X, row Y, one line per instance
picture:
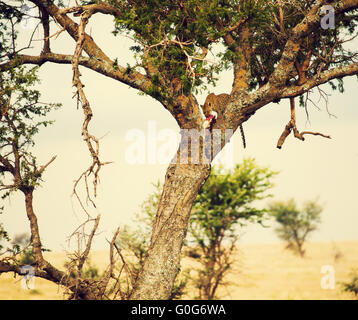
column 243, row 136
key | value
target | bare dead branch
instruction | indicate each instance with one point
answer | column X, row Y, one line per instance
column 81, row 98
column 111, row 253
column 43, row 168
column 125, row 265
column 315, row 134
column 82, row 259
column 291, row 126
column 284, row 135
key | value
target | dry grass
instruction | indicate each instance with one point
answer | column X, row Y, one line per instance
column 262, row 272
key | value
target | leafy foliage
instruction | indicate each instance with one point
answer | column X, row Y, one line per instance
column 186, row 28
column 170, row 34
column 9, row 17
column 227, row 200
column 172, row 39
column 295, row 225
column 20, row 121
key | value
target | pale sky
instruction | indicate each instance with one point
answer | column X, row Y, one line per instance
column 315, row 168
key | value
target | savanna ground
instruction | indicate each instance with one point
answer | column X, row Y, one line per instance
column 264, row 271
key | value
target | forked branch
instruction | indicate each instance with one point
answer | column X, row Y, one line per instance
column 291, row 126
column 91, row 141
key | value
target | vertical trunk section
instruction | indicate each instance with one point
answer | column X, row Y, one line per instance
column 35, row 234
column 162, row 264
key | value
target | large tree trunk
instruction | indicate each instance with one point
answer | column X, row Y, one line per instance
column 162, row 264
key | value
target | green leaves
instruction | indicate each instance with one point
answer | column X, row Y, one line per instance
column 20, row 121
column 206, row 23
column 196, row 24
column 227, row 200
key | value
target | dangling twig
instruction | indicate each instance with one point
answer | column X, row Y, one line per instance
column 291, row 126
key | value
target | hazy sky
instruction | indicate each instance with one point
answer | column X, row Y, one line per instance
column 315, row 168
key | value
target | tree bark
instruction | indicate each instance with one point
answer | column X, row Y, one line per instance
column 35, row 233
column 162, row 264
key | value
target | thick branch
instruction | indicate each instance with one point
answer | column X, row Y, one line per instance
column 242, row 50
column 135, row 80
column 242, row 62
column 100, row 7
column 35, row 233
column 46, row 27
column 319, row 79
column 103, row 62
column 243, row 108
column 43, row 168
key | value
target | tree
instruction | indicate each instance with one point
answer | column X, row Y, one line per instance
column 295, row 225
column 227, row 200
column 136, row 241
column 20, row 110
column 21, row 119
column 276, row 49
